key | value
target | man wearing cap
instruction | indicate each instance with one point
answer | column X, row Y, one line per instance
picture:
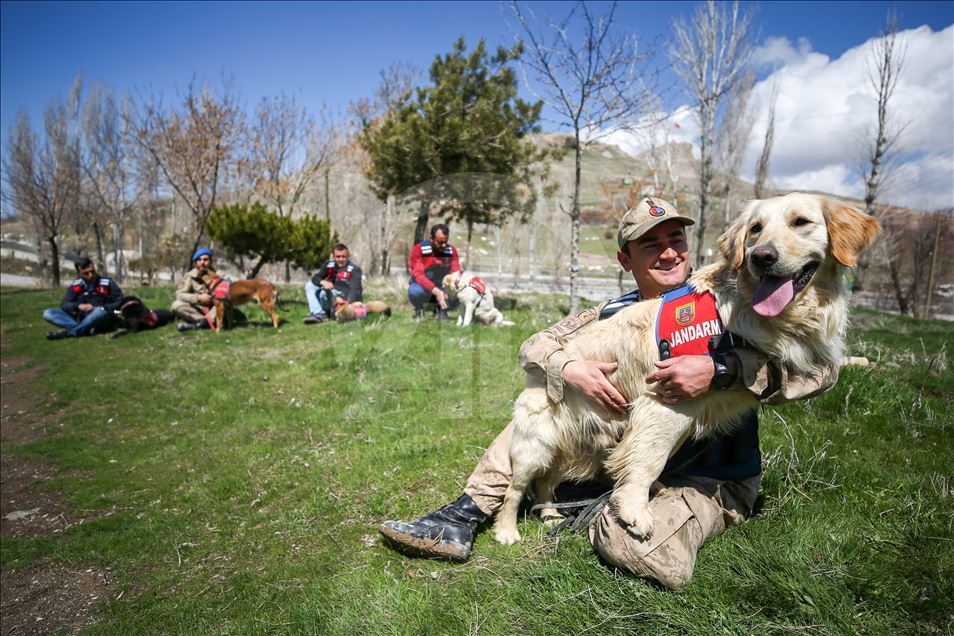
column 193, row 296
column 705, row 486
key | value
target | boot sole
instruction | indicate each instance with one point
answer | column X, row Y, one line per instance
column 424, row 547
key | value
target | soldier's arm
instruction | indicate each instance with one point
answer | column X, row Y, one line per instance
column 70, row 302
column 543, row 354
column 773, row 383
column 184, row 291
column 355, row 292
column 115, row 297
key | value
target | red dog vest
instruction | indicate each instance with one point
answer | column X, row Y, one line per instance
column 478, row 285
column 688, row 320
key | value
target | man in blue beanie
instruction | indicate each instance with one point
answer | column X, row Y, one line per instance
column 193, row 297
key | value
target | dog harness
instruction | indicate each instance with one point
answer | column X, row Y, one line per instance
column 221, row 288
column 150, row 318
column 688, row 323
column 479, row 286
column 360, row 311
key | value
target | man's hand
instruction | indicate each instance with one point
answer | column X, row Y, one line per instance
column 327, row 285
column 85, row 307
column 682, row 378
column 441, row 297
column 591, row 379
column 204, row 299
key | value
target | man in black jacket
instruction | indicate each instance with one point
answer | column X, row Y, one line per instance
column 88, row 306
column 339, row 277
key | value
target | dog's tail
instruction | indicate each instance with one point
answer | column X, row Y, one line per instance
column 278, row 302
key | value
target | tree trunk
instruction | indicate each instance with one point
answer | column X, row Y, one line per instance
column 54, row 260
column 100, row 252
column 327, row 198
column 258, row 267
column 422, row 217
column 934, row 257
column 575, row 229
column 470, row 237
column 386, row 236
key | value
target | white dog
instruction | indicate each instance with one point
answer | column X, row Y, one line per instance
column 476, row 300
column 780, row 285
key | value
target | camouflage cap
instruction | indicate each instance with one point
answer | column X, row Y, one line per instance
column 647, row 214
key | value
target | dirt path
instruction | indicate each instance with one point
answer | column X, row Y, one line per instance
column 48, row 596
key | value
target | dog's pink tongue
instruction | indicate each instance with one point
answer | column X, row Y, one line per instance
column 773, row 295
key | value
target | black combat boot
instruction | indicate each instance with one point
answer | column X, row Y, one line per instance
column 447, row 533
column 57, row 335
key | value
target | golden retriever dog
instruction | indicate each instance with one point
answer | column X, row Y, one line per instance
column 345, row 311
column 476, row 301
column 227, row 294
column 779, row 284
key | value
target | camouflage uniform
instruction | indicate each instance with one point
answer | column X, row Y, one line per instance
column 687, row 509
column 186, row 305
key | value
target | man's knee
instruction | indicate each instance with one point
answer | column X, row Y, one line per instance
column 50, row 315
column 668, row 556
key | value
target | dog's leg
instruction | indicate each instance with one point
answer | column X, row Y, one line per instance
column 529, row 458
column 468, row 315
column 269, row 306
column 546, row 485
column 637, row 461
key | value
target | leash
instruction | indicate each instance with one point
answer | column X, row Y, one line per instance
column 590, row 508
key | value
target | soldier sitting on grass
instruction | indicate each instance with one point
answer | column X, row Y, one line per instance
column 88, row 306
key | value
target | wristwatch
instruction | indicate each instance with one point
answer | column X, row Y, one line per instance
column 724, row 377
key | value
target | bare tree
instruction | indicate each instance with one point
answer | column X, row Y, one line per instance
column 592, row 83
column 287, row 152
column 762, row 168
column 108, row 167
column 710, row 55
column 734, row 135
column 43, row 176
column 885, row 62
column 192, row 147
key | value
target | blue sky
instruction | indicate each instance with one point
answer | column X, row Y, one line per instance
column 332, row 52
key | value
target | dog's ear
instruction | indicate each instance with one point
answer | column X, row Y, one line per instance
column 732, row 241
column 849, row 231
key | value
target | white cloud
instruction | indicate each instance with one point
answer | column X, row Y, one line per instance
column 826, row 107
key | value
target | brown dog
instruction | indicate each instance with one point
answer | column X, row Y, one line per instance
column 345, row 311
column 226, row 294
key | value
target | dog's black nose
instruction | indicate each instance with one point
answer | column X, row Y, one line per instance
column 764, row 257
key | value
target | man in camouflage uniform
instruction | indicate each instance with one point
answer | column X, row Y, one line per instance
column 705, row 487
column 193, row 297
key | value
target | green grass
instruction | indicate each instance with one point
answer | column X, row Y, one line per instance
column 234, row 484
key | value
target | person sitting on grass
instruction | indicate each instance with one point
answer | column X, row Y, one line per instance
column 88, row 306
column 706, row 486
column 193, row 297
column 339, row 277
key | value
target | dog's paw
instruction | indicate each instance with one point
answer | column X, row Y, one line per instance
column 552, row 519
column 634, row 514
column 506, row 536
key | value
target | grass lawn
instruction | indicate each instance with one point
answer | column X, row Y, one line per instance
column 233, row 484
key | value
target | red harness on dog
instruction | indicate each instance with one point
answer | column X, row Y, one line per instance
column 360, row 311
column 220, row 288
column 478, row 285
column 687, row 323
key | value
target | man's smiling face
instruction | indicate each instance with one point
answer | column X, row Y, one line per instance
column 659, row 259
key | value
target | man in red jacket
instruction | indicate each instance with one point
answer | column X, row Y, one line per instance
column 430, row 261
